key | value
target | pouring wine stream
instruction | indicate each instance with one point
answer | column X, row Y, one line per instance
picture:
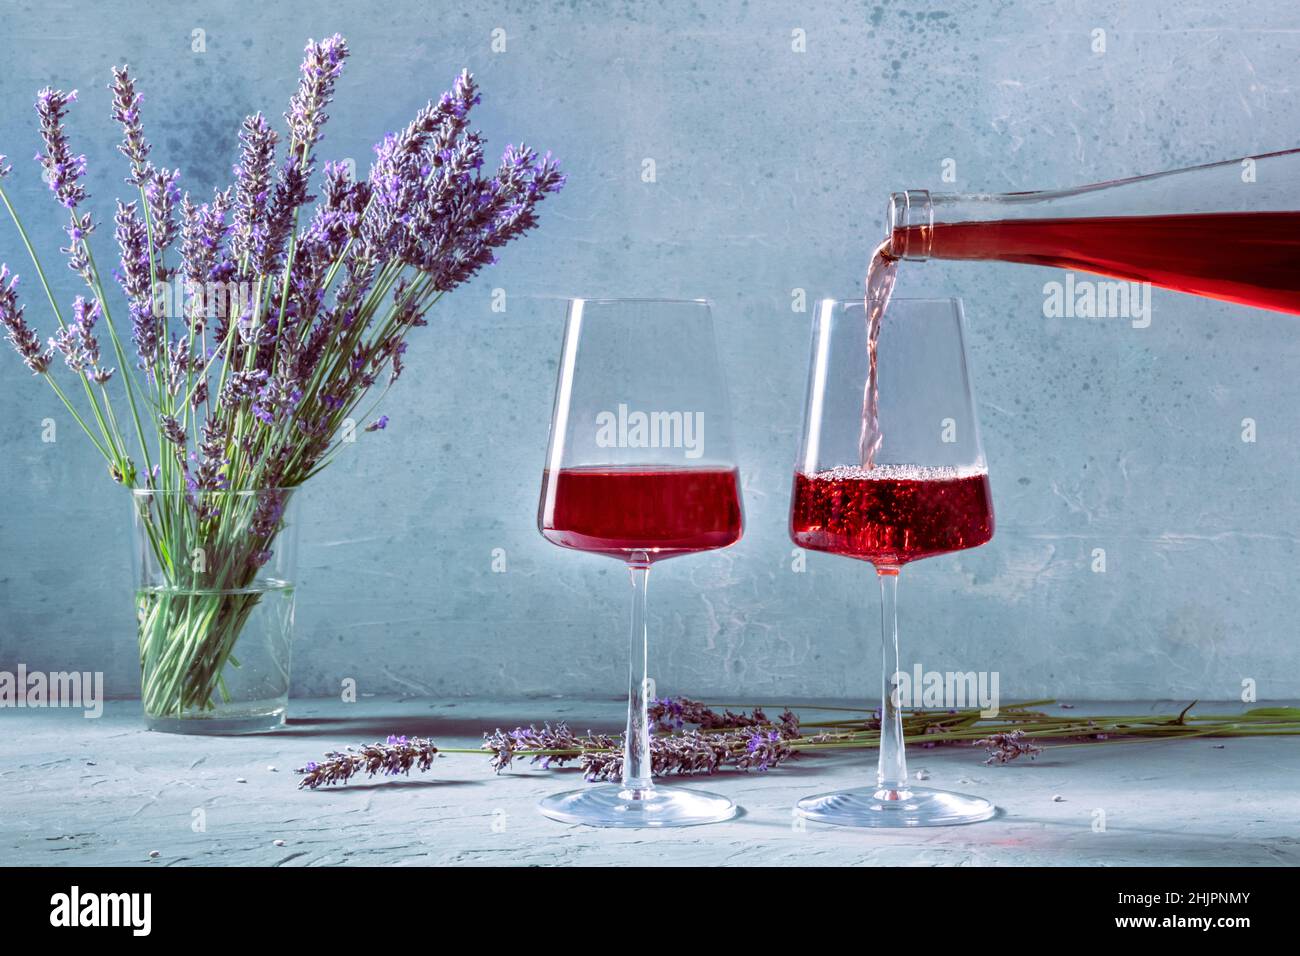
column 881, row 272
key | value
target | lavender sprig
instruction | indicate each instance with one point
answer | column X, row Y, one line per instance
column 63, row 169
column 680, row 753
column 126, row 110
column 162, row 194
column 173, row 431
column 673, row 713
column 762, row 748
column 78, row 230
column 203, row 234
column 550, row 745
column 210, row 458
column 253, row 189
column 21, row 335
column 136, row 281
column 78, row 345
column 321, row 67
column 695, row 752
column 395, row 756
column 555, row 745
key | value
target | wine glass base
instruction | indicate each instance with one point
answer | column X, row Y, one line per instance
column 913, row 807
column 613, row 805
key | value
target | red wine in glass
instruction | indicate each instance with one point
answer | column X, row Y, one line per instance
column 890, row 515
column 661, row 511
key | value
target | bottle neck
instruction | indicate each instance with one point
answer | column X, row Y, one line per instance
column 910, row 218
column 909, row 224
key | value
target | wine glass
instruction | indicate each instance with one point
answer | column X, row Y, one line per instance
column 640, row 468
column 924, row 492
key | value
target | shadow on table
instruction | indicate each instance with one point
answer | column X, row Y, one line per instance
column 394, row 783
column 368, row 728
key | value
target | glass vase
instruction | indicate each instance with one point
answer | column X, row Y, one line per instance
column 214, row 600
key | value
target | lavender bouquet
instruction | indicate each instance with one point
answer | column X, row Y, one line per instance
column 260, row 325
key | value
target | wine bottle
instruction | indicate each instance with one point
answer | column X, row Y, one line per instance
column 1228, row 230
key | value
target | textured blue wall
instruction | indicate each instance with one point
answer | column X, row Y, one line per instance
column 772, row 167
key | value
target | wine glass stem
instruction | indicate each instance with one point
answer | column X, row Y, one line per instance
column 636, row 742
column 891, row 774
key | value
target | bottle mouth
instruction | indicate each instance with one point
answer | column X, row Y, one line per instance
column 909, row 224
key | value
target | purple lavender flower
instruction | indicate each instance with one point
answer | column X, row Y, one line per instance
column 21, row 335
column 241, row 385
column 180, row 361
column 172, row 430
column 379, row 424
column 79, row 228
column 344, row 198
column 63, row 170
column 672, row 713
column 134, row 278
column 560, row 745
column 208, row 476
column 334, row 225
column 276, row 398
column 667, row 714
column 126, row 110
column 321, row 66
column 764, row 750
column 253, row 188
column 397, row 756
column 133, row 242
column 78, row 345
column 686, row 754
column 601, row 755
column 270, row 510
column 406, row 162
column 435, row 211
column 290, row 194
column 162, row 193
column 146, row 333
column 202, row 234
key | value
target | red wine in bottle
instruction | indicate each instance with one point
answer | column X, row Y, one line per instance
column 891, row 514
column 664, row 512
column 1252, row 258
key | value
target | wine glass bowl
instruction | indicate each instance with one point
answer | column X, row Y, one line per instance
column 922, row 491
column 640, row 468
